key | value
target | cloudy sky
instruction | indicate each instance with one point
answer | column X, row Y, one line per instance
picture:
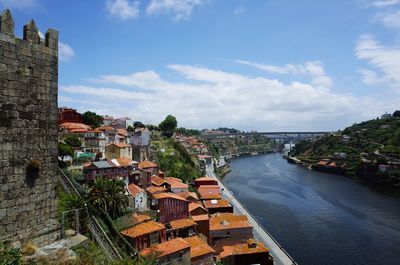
column 252, row 65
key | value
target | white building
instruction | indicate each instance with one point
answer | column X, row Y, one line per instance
column 138, row 197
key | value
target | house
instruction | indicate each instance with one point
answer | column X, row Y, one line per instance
column 205, row 181
column 150, row 168
column 218, row 206
column 209, row 192
column 229, row 229
column 145, row 234
column 116, row 150
column 203, row 225
column 181, row 228
column 107, row 120
column 200, row 252
column 124, row 122
column 171, row 207
column 74, row 127
column 346, row 138
column 176, row 185
column 69, row 115
column 95, row 142
column 190, row 196
column 140, row 141
column 159, row 182
column 174, row 252
column 197, row 209
column 139, row 197
column 154, row 190
column 249, row 252
column 110, row 169
column 386, row 116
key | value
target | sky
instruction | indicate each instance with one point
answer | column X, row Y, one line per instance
column 263, row 65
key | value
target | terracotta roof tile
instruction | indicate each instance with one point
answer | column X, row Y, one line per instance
column 164, row 195
column 105, row 128
column 140, row 218
column 166, row 248
column 221, row 221
column 250, row 247
column 194, row 206
column 198, row 247
column 208, row 194
column 122, row 132
column 157, row 181
column 176, row 183
column 216, row 203
column 201, row 217
column 147, row 164
column 188, row 194
column 74, row 126
column 154, row 189
column 122, row 161
column 134, row 190
column 119, row 145
column 143, row 229
column 206, row 178
column 181, row 223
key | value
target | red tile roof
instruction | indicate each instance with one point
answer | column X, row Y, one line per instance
column 176, row 183
column 143, row 229
column 221, row 221
column 154, row 189
column 75, row 126
column 134, row 190
column 193, row 206
column 119, row 145
column 147, row 164
column 198, row 247
column 216, row 203
column 157, row 181
column 122, row 161
column 188, row 194
column 181, row 223
column 250, row 247
column 160, row 196
column 201, row 217
column 166, row 248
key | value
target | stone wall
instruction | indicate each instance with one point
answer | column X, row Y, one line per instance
column 28, row 134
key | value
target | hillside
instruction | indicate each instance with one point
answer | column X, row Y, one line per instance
column 369, row 150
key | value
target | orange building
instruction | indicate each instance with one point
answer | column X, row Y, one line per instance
column 145, row 234
column 218, row 206
column 200, row 252
column 250, row 252
column 175, row 251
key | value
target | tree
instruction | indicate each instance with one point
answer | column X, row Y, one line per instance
column 168, row 125
column 396, row 114
column 65, row 150
column 130, row 129
column 92, row 119
column 138, row 124
column 73, row 141
column 109, row 195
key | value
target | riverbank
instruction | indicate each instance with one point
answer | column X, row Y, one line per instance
column 281, row 257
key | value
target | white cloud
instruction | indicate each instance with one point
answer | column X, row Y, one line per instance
column 384, row 59
column 123, row 9
column 390, row 19
column 314, row 69
column 65, row 52
column 239, row 10
column 370, row 77
column 18, row 4
column 180, row 9
column 384, row 3
column 211, row 98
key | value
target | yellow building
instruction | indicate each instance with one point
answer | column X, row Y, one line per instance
column 117, row 150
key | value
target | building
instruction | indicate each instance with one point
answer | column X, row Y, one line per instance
column 209, row 192
column 197, row 209
column 181, row 228
column 139, row 197
column 73, row 127
column 200, row 252
column 116, row 150
column 95, row 142
column 140, row 141
column 205, row 181
column 124, row 123
column 173, row 252
column 218, row 206
column 229, row 229
column 107, row 120
column 28, row 133
column 386, row 116
column 145, row 234
column 69, row 115
column 203, row 225
column 176, row 185
column 190, row 196
column 159, row 182
column 110, row 169
column 171, row 207
column 250, row 252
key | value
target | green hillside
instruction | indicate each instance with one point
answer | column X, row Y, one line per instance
column 369, row 150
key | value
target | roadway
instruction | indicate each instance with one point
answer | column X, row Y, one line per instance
column 281, row 257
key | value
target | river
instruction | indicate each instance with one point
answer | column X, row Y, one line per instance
column 319, row 218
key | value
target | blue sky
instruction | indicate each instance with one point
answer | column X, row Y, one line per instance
column 253, row 65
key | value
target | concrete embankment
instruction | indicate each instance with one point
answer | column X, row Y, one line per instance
column 281, row 257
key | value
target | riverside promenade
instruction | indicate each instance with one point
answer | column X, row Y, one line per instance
column 281, row 257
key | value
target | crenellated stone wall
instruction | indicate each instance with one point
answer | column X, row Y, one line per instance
column 28, row 134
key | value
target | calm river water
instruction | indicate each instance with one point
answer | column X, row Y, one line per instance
column 319, row 218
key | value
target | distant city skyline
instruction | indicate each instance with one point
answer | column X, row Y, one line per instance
column 266, row 65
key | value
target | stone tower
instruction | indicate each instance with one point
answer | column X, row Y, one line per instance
column 28, row 134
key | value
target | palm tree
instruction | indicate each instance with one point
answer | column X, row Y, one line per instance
column 109, row 195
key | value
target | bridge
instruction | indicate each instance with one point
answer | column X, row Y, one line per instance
column 282, row 137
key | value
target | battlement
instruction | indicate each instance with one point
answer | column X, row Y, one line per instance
column 30, row 32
